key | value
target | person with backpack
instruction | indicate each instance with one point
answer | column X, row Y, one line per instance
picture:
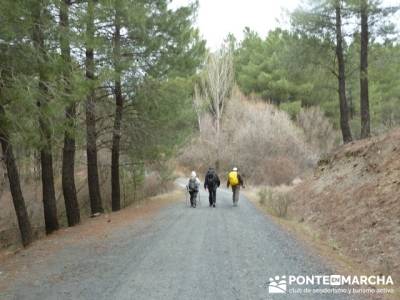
column 211, row 182
column 193, row 188
column 235, row 181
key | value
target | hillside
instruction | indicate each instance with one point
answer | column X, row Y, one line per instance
column 353, row 201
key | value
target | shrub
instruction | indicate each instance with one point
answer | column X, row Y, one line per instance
column 264, row 196
column 257, row 137
column 276, row 203
column 159, row 180
column 318, row 129
column 292, row 108
column 280, row 204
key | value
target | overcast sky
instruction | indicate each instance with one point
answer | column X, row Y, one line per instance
column 217, row 18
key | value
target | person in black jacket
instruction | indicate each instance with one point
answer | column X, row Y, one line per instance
column 212, row 182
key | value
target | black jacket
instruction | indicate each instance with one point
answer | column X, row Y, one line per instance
column 211, row 185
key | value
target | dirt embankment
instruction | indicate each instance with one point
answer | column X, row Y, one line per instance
column 353, row 200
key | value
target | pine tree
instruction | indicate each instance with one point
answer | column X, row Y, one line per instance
column 116, row 137
column 156, row 43
column 38, row 11
column 91, row 135
column 323, row 21
column 15, row 183
column 68, row 160
column 364, row 94
column 343, row 105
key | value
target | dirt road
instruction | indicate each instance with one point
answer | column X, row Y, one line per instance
column 179, row 253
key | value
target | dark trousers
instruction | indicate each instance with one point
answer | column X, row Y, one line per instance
column 193, row 196
column 212, row 195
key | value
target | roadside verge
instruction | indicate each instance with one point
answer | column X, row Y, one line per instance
column 327, row 249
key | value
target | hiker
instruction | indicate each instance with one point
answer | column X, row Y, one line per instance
column 193, row 188
column 235, row 181
column 211, row 182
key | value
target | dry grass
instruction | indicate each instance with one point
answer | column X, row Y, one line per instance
column 155, row 185
column 275, row 202
column 313, row 239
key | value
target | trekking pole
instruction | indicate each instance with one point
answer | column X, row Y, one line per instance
column 186, row 197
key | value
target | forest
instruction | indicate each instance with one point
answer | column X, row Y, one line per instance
column 99, row 97
column 88, row 81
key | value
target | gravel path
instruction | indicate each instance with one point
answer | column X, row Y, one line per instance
column 181, row 253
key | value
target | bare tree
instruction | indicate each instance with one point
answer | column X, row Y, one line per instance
column 198, row 101
column 216, row 87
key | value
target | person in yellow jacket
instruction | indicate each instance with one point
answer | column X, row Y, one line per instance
column 235, row 181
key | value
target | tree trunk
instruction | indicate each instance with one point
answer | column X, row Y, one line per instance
column 344, row 109
column 68, row 163
column 116, row 200
column 218, row 135
column 115, row 182
column 364, row 97
column 15, row 185
column 91, row 147
column 46, row 157
column 49, row 198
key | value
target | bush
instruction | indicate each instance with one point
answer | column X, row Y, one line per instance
column 318, row 129
column 292, row 108
column 276, row 203
column 280, row 204
column 159, row 181
column 264, row 196
column 257, row 137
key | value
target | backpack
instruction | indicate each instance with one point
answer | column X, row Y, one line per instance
column 211, row 178
column 233, row 178
column 193, row 185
